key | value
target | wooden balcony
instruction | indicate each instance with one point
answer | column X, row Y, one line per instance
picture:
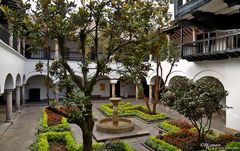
column 216, row 48
column 191, row 5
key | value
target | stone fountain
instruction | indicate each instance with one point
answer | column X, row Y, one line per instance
column 115, row 124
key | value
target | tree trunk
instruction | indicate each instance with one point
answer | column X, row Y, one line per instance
column 147, row 104
column 154, row 110
column 87, row 128
column 87, row 139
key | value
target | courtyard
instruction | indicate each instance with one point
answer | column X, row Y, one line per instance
column 119, row 75
column 22, row 131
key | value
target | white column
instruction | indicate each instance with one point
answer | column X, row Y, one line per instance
column 194, row 34
column 194, row 38
column 184, row 2
column 19, row 45
column 11, row 40
column 24, row 46
column 150, row 57
column 113, row 90
column 137, row 93
column 9, row 106
column 23, row 94
column 17, row 104
column 56, row 54
column 150, row 93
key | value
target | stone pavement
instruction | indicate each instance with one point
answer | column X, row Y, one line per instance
column 20, row 134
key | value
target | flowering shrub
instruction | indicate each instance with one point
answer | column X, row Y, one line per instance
column 44, row 127
column 223, row 139
column 160, row 145
column 184, row 139
column 182, row 123
column 53, row 118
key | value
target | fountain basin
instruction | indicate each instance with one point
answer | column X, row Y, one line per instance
column 106, row 126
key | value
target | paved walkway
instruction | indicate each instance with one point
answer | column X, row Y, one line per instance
column 20, row 134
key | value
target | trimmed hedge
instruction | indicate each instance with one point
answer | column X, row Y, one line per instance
column 43, row 125
column 160, row 145
column 233, row 146
column 167, row 126
column 118, row 146
column 132, row 110
column 67, row 137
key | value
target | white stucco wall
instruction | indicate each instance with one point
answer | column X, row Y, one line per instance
column 11, row 62
column 102, row 88
column 226, row 71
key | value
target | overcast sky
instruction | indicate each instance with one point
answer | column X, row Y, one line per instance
column 34, row 4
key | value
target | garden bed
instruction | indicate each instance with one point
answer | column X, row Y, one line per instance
column 43, row 142
column 51, row 122
column 129, row 110
column 183, row 136
column 54, row 134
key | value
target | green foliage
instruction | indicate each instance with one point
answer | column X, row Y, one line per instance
column 166, row 125
column 118, row 146
column 160, row 145
column 43, row 125
column 133, row 110
column 67, row 137
column 232, row 146
column 195, row 100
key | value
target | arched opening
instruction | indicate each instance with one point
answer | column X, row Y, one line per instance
column 24, row 79
column 153, row 83
column 9, row 82
column 125, row 88
column 145, row 87
column 36, row 90
column 219, row 83
column 174, row 79
column 8, row 85
column 18, row 80
column 219, row 118
column 102, row 87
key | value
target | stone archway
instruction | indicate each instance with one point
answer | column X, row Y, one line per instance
column 220, row 118
column 153, row 85
column 173, row 79
column 36, row 88
column 6, row 108
column 125, row 88
column 18, row 80
column 145, row 87
column 9, row 83
column 219, row 83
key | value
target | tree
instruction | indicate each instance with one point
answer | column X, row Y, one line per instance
column 112, row 27
column 196, row 101
column 161, row 48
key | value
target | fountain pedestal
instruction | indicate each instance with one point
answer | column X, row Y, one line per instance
column 115, row 102
column 115, row 125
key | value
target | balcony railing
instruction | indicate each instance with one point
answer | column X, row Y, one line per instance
column 4, row 34
column 182, row 9
column 213, row 48
column 39, row 54
column 5, row 37
column 73, row 56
